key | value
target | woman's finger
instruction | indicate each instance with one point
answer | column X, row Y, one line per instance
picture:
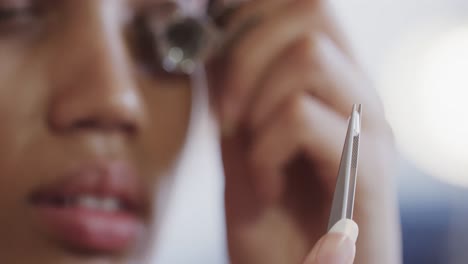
column 238, row 18
column 248, row 60
column 303, row 124
column 336, row 247
column 342, row 82
column 317, row 66
column 290, row 74
column 251, row 9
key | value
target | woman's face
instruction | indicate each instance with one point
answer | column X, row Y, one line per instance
column 88, row 129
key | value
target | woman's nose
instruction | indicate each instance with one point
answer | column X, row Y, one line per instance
column 109, row 107
column 95, row 88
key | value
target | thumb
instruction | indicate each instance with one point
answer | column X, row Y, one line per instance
column 336, row 247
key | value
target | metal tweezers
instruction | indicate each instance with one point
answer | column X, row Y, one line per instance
column 343, row 198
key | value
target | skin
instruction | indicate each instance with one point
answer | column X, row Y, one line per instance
column 333, row 248
column 72, row 91
column 69, row 91
column 283, row 109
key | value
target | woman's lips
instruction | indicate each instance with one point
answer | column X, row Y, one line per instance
column 94, row 208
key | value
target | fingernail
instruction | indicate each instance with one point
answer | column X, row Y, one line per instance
column 339, row 247
column 346, row 227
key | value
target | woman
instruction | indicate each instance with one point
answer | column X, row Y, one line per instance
column 91, row 126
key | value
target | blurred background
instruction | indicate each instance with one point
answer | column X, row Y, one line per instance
column 416, row 52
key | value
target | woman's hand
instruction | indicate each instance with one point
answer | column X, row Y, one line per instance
column 284, row 89
column 336, row 247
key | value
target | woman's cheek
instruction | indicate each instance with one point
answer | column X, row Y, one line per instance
column 23, row 97
column 169, row 106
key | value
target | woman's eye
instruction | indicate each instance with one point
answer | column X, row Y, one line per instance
column 14, row 16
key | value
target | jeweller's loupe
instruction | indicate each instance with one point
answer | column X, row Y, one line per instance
column 182, row 40
column 184, row 43
column 185, row 38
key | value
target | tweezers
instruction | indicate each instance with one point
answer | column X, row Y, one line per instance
column 343, row 198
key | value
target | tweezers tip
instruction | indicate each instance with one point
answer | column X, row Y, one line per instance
column 355, row 119
column 357, row 108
